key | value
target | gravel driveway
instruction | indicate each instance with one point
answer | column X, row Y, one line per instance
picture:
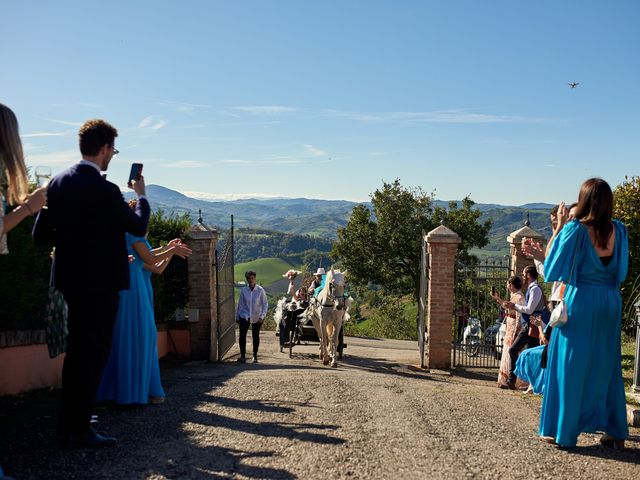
column 373, row 417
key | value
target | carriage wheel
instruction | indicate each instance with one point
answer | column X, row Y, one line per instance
column 340, row 342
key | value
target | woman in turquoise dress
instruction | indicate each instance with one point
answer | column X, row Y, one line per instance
column 132, row 373
column 583, row 389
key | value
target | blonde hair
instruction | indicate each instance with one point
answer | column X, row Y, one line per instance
column 13, row 171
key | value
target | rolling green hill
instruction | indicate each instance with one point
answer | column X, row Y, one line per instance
column 268, row 270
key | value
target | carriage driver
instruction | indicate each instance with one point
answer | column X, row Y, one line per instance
column 318, row 282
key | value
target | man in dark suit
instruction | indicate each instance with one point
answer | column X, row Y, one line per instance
column 85, row 220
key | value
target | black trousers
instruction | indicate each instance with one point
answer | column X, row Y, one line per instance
column 522, row 340
column 90, row 322
column 255, row 336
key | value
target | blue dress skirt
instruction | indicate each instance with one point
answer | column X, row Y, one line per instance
column 529, row 369
column 583, row 388
column 132, row 373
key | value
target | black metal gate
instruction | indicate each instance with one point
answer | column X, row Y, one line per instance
column 476, row 330
column 225, row 299
column 423, row 337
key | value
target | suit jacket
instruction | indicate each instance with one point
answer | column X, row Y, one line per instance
column 86, row 221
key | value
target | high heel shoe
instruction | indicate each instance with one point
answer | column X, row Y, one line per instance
column 611, row 442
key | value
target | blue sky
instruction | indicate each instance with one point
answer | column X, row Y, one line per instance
column 326, row 99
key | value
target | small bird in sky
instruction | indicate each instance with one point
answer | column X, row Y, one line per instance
column 573, row 84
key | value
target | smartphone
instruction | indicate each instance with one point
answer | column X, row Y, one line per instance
column 135, row 173
column 493, row 290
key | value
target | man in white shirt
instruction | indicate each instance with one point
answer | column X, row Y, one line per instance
column 534, row 305
column 252, row 308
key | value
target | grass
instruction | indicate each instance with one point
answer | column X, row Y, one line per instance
column 268, row 270
column 628, row 358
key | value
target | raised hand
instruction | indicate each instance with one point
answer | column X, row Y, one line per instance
column 139, row 186
column 182, row 250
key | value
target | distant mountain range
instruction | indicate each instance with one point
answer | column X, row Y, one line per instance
column 321, row 218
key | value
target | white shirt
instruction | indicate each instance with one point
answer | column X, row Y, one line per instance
column 555, row 288
column 535, row 295
column 252, row 304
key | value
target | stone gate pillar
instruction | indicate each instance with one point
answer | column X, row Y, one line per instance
column 442, row 247
column 518, row 260
column 202, row 292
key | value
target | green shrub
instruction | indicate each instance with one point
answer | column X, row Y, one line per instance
column 171, row 289
column 24, row 281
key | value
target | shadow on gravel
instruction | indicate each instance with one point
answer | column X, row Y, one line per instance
column 630, row 455
column 173, row 439
column 373, row 365
column 485, row 375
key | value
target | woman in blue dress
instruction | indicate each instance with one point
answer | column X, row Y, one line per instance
column 132, row 373
column 583, row 390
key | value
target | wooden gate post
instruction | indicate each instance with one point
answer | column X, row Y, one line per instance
column 202, row 292
column 443, row 245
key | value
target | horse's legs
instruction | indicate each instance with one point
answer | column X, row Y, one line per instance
column 324, row 340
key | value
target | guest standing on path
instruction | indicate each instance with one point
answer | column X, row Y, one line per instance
column 14, row 184
column 534, row 304
column 514, row 285
column 88, row 217
column 583, row 390
column 252, row 308
column 132, row 372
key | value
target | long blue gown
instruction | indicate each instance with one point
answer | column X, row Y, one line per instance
column 583, row 390
column 529, row 368
column 132, row 373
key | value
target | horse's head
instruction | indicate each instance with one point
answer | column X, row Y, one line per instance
column 337, row 286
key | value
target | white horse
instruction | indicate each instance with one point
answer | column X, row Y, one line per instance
column 327, row 312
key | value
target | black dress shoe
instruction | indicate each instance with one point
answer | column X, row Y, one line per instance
column 91, row 439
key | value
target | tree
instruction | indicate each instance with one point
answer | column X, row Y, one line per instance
column 383, row 245
column 626, row 208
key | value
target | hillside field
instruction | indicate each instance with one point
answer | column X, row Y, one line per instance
column 268, row 270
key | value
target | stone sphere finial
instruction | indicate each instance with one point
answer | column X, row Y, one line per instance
column 527, row 223
column 200, row 220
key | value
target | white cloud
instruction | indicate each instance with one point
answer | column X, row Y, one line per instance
column 436, row 116
column 46, row 134
column 314, row 152
column 183, row 107
column 152, row 122
column 185, row 164
column 263, row 109
column 64, row 158
column 233, row 160
column 89, row 105
column 62, row 122
column 228, row 196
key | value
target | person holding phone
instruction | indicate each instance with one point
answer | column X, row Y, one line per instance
column 513, row 327
column 87, row 214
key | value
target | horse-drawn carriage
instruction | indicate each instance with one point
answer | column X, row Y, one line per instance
column 294, row 328
column 315, row 318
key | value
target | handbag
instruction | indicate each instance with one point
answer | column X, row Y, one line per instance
column 56, row 314
column 559, row 315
